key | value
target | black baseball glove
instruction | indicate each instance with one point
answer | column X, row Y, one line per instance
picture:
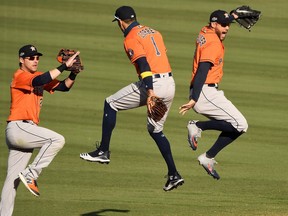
column 247, row 17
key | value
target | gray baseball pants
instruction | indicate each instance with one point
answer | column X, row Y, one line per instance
column 213, row 104
column 22, row 138
column 135, row 95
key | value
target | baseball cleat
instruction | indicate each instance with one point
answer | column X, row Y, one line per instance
column 30, row 184
column 96, row 156
column 208, row 165
column 193, row 134
column 173, row 181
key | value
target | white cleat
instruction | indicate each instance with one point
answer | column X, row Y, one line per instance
column 193, row 134
column 208, row 165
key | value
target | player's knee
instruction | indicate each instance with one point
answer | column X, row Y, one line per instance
column 150, row 128
column 110, row 104
column 59, row 141
column 243, row 127
column 154, row 129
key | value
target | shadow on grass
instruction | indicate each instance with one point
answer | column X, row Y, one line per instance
column 98, row 213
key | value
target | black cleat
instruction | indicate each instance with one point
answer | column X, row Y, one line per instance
column 173, row 181
column 97, row 156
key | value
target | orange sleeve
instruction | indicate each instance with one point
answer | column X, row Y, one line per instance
column 134, row 49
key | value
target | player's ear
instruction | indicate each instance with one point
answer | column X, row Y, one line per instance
column 121, row 25
column 213, row 24
column 21, row 60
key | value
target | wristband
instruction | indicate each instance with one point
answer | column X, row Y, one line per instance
column 145, row 74
column 62, row 67
column 72, row 76
column 148, row 81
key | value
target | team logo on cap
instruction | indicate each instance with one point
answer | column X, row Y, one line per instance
column 33, row 48
column 226, row 15
column 214, row 19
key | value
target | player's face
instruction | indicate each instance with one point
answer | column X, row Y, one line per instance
column 221, row 30
column 30, row 64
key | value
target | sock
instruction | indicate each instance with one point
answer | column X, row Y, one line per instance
column 224, row 139
column 108, row 124
column 164, row 147
column 219, row 125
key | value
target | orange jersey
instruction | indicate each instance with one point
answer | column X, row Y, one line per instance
column 26, row 100
column 143, row 41
column 209, row 48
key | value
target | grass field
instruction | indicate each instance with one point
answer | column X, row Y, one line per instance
column 253, row 170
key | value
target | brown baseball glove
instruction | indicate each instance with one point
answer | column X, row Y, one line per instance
column 65, row 54
column 156, row 108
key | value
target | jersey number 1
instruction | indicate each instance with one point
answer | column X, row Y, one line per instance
column 155, row 46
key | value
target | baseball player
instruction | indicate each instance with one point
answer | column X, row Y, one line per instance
column 147, row 52
column 205, row 96
column 23, row 134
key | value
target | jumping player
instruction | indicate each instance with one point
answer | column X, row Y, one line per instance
column 23, row 134
column 146, row 50
column 206, row 98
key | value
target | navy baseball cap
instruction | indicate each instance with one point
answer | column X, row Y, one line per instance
column 123, row 13
column 221, row 17
column 28, row 50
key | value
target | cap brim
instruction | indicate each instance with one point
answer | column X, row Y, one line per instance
column 35, row 54
column 116, row 18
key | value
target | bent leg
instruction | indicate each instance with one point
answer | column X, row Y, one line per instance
column 51, row 143
column 224, row 139
column 22, row 135
column 213, row 104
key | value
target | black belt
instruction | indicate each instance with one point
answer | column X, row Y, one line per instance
column 25, row 121
column 213, row 85
column 159, row 75
column 209, row 85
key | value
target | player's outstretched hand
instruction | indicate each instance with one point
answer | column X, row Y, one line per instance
column 185, row 107
column 72, row 59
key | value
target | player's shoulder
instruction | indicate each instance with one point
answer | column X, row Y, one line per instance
column 142, row 31
column 22, row 73
column 209, row 34
column 207, row 31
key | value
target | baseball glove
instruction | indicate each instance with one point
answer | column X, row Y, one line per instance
column 65, row 54
column 247, row 17
column 156, row 108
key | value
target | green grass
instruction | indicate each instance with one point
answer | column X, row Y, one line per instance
column 253, row 169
